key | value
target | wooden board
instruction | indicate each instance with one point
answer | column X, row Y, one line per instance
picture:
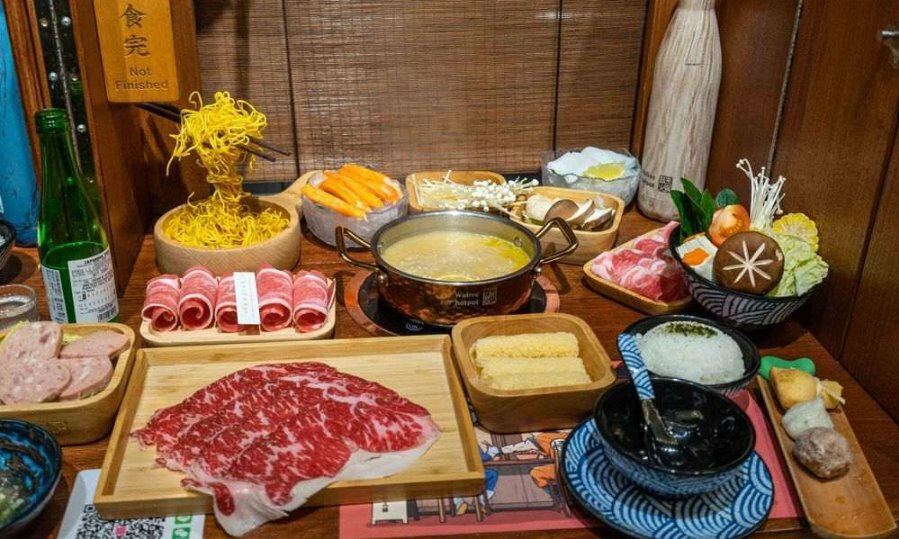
column 83, row 420
column 419, row 368
column 252, row 335
column 628, row 297
column 849, row 506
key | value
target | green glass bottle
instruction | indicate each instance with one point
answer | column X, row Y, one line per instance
column 75, row 260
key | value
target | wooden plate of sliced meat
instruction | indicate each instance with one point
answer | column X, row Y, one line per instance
column 254, row 431
column 641, row 274
column 68, row 378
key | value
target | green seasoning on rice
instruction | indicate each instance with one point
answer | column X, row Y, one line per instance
column 691, row 351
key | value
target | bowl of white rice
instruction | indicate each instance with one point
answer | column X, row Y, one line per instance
column 698, row 350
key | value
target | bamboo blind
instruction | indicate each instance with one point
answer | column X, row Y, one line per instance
column 409, row 85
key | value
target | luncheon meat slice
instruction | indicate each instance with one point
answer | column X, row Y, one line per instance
column 32, row 380
column 161, row 302
column 35, row 340
column 226, row 308
column 196, row 303
column 89, row 375
column 313, row 295
column 99, row 343
column 273, row 286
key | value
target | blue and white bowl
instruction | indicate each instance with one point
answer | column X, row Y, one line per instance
column 738, row 309
column 751, row 360
column 30, row 464
column 696, row 415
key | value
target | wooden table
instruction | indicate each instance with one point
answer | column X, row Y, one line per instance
column 876, row 431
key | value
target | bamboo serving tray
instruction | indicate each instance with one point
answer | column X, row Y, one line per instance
column 84, row 420
column 181, row 337
column 420, row 368
column 851, row 506
column 464, row 177
column 590, row 244
column 628, row 297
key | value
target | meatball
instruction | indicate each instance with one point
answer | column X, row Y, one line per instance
column 824, row 452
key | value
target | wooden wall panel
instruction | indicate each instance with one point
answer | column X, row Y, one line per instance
column 426, row 84
column 871, row 352
column 243, row 49
column 838, row 126
column 755, row 43
column 599, row 63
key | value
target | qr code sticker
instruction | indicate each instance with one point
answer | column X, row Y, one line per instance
column 92, row 526
column 665, row 183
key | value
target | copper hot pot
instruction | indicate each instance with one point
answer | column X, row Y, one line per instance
column 447, row 302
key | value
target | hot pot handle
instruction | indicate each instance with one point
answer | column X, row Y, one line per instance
column 340, row 233
column 566, row 231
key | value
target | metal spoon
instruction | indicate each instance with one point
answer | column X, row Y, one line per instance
column 661, row 444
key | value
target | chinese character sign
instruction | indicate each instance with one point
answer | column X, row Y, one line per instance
column 138, row 51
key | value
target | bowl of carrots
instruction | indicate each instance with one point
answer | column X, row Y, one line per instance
column 356, row 197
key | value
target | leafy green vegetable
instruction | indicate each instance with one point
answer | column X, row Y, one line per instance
column 696, row 208
column 803, row 268
column 726, row 197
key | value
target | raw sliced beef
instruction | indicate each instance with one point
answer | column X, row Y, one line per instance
column 35, row 340
column 196, row 303
column 99, row 343
column 161, row 302
column 264, row 439
column 273, row 286
column 32, row 380
column 89, row 375
column 226, row 308
column 313, row 294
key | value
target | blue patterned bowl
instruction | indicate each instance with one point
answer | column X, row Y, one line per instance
column 751, row 360
column 30, row 467
column 704, row 423
column 738, row 309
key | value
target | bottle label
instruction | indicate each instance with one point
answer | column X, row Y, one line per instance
column 56, row 297
column 93, row 288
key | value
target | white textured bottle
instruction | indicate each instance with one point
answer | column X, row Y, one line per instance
column 682, row 107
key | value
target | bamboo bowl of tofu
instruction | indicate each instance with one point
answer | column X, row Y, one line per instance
column 548, row 380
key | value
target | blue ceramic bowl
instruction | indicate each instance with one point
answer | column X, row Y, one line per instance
column 738, row 309
column 30, row 466
column 8, row 238
column 751, row 360
column 704, row 422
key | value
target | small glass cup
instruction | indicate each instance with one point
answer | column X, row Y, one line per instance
column 18, row 303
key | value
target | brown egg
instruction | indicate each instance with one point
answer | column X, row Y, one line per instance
column 749, row 262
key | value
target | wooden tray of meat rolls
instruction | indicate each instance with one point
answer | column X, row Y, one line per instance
column 71, row 418
column 419, row 368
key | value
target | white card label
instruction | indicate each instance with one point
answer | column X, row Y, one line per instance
column 56, row 298
column 93, row 288
column 246, row 297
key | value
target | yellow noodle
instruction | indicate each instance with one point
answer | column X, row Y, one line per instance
column 214, row 133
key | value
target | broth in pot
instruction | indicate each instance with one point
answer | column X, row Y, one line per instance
column 455, row 256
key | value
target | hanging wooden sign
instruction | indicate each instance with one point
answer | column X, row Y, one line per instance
column 138, row 50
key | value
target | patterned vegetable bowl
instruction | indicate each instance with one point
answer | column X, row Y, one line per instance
column 30, row 467
column 738, row 309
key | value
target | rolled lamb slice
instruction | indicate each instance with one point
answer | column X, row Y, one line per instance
column 99, row 343
column 33, row 380
column 36, row 340
column 89, row 375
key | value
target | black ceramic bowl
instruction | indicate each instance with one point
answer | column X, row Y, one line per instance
column 706, row 424
column 738, row 309
column 751, row 360
column 30, row 467
column 7, row 238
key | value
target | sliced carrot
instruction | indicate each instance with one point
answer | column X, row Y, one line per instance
column 360, row 189
column 332, row 202
column 695, row 257
column 375, row 180
column 341, row 191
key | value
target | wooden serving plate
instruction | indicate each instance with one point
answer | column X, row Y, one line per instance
column 464, row 177
column 181, row 337
column 84, row 420
column 628, row 297
column 419, row 368
column 282, row 251
column 590, row 244
column 532, row 410
column 851, row 506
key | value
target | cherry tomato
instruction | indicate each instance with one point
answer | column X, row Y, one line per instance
column 727, row 221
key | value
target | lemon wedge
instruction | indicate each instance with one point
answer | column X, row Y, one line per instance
column 605, row 171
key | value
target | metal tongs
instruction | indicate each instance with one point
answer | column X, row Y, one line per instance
column 257, row 147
